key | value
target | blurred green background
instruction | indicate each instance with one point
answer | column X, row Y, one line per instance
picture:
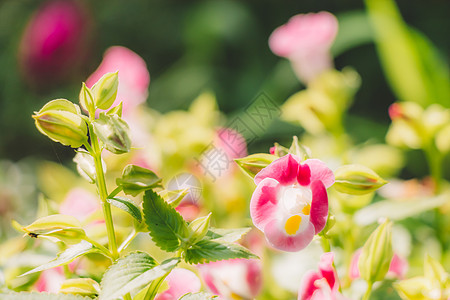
column 192, row 46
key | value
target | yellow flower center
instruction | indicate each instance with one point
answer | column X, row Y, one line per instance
column 292, row 224
column 307, row 209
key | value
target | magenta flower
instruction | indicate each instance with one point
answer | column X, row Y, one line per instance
column 79, row 203
column 50, row 280
column 306, row 40
column 397, row 268
column 290, row 202
column 56, row 42
column 234, row 278
column 134, row 77
column 322, row 284
column 180, row 281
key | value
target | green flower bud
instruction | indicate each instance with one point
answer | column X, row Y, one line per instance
column 113, row 132
column 376, row 254
column 198, row 229
column 62, row 227
column 86, row 165
column 87, row 99
column 136, row 179
column 357, row 180
column 105, row 90
column 254, row 163
column 80, row 286
column 62, row 122
column 278, row 150
column 300, row 151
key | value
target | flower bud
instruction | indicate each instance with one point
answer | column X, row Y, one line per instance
column 198, row 228
column 62, row 227
column 357, row 180
column 62, row 122
column 86, row 165
column 136, row 179
column 116, row 110
column 113, row 132
column 105, row 90
column 87, row 99
column 254, row 163
column 299, row 150
column 376, row 254
column 80, row 286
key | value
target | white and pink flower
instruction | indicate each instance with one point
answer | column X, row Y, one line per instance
column 180, row 281
column 290, row 202
column 233, row 279
column 306, row 40
column 323, row 284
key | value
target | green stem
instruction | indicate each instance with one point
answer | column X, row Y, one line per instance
column 368, row 291
column 325, row 243
column 128, row 240
column 434, row 158
column 154, row 286
column 100, row 247
column 101, row 186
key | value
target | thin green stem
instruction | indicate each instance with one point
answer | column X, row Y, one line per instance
column 101, row 186
column 115, row 192
column 368, row 291
column 325, row 243
column 434, row 158
column 127, row 241
column 102, row 248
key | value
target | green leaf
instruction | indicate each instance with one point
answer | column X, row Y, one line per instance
column 127, row 205
column 175, row 197
column 136, row 179
column 66, row 257
column 131, row 273
column 210, row 250
column 198, row 296
column 227, row 235
column 167, row 227
column 80, row 286
column 40, row 296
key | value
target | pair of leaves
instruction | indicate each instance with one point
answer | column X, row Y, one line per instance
column 170, row 232
column 132, row 273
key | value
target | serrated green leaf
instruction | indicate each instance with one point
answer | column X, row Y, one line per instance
column 66, row 257
column 167, row 227
column 136, row 180
column 227, row 235
column 40, row 296
column 198, row 296
column 128, row 206
column 210, row 250
column 131, row 273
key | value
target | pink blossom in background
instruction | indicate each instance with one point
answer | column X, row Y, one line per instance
column 322, row 284
column 290, row 202
column 232, row 143
column 233, row 279
column 56, row 43
column 397, row 268
column 79, row 203
column 134, row 77
column 50, row 280
column 180, row 281
column 306, row 40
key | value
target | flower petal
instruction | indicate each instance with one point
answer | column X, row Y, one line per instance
column 264, row 201
column 319, row 206
column 320, row 171
column 326, row 269
column 304, row 174
column 277, row 238
column 284, row 170
column 180, row 281
column 307, row 287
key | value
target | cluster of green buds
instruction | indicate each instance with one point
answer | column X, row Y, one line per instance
column 63, row 122
column 418, row 128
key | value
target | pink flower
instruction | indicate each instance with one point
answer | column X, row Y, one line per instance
column 56, row 42
column 397, row 268
column 233, row 279
column 134, row 77
column 50, row 280
column 79, row 203
column 306, row 40
column 180, row 281
column 321, row 285
column 290, row 202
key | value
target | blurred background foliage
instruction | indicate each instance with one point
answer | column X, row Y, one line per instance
column 192, row 46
